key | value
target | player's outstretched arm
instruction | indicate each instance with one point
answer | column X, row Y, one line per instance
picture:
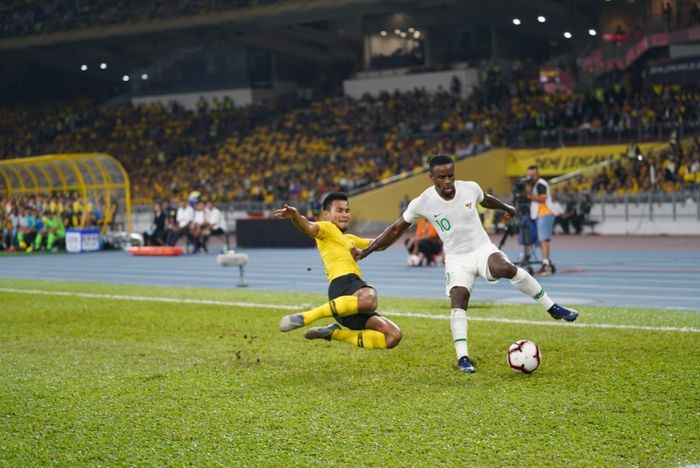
column 301, row 222
column 495, row 203
column 385, row 239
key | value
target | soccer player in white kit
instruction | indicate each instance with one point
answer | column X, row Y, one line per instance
column 450, row 205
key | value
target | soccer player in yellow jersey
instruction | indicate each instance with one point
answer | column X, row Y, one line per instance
column 352, row 302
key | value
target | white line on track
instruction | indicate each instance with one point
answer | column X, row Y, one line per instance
column 390, row 313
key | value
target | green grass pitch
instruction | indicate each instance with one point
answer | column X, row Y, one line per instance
column 114, row 381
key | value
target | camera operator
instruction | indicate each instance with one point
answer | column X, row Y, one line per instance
column 543, row 212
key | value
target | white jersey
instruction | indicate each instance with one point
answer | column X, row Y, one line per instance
column 456, row 221
column 199, row 217
column 184, row 216
column 216, row 219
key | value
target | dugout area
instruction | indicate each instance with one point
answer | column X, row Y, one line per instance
column 95, row 177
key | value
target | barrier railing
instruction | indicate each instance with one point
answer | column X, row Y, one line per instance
column 673, row 206
column 598, row 136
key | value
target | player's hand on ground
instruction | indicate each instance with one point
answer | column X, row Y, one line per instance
column 286, row 212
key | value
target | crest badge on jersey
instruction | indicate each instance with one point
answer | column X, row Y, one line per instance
column 468, row 205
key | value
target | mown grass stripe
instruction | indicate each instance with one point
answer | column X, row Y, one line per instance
column 389, row 312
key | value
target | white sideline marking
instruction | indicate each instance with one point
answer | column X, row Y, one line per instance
column 147, row 298
column 390, row 312
column 550, row 323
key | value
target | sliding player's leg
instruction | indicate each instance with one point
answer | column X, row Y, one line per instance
column 367, row 329
column 347, row 296
column 339, row 307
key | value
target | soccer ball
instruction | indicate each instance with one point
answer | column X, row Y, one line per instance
column 524, row 356
column 413, row 260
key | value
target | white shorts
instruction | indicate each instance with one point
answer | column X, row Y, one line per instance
column 462, row 269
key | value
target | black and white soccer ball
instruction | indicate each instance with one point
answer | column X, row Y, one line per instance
column 524, row 356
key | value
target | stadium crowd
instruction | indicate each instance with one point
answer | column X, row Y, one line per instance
column 671, row 170
column 233, row 153
column 522, row 112
column 279, row 151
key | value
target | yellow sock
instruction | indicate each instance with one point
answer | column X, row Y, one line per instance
column 368, row 339
column 340, row 306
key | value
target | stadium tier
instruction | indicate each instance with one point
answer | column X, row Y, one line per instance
column 270, row 152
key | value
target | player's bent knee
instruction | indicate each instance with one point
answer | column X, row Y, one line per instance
column 507, row 270
column 459, row 296
column 393, row 338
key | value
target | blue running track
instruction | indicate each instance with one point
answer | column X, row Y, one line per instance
column 653, row 273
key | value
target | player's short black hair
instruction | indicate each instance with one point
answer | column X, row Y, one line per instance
column 331, row 197
column 530, row 168
column 440, row 160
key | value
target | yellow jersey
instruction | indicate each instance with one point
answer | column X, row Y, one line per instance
column 334, row 247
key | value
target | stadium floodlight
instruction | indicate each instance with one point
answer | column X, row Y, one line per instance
column 125, row 78
column 103, row 66
column 411, row 30
column 592, row 32
column 397, row 32
column 83, row 67
column 516, row 21
column 416, row 35
column 541, row 19
column 144, row 76
column 403, row 34
column 383, row 33
column 567, row 35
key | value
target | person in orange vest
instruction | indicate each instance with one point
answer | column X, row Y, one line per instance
column 426, row 242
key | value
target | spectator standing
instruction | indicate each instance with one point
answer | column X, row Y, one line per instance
column 695, row 14
column 668, row 15
column 543, row 211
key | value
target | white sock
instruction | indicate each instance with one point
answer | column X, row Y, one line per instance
column 524, row 282
column 458, row 324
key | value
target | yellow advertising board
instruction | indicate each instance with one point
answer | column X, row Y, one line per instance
column 554, row 162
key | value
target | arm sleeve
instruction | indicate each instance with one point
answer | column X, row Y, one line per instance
column 479, row 192
column 322, row 229
column 359, row 242
column 412, row 213
column 541, row 189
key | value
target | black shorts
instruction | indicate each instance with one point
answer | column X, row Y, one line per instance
column 347, row 285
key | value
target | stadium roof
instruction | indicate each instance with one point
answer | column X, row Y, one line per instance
column 321, row 31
